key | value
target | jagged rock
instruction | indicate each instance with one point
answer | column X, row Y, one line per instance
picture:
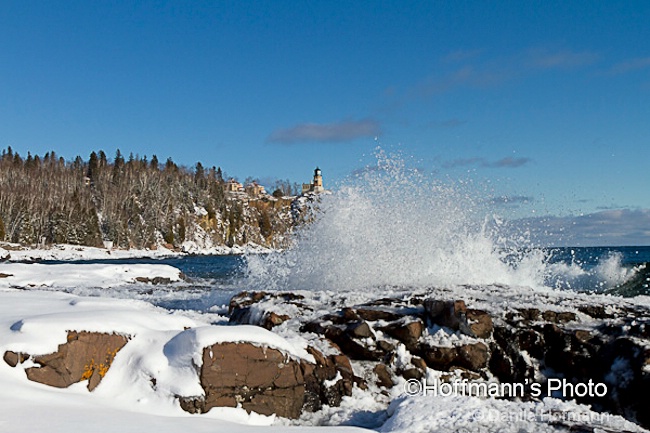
column 480, row 323
column 260, row 379
column 595, row 311
column 351, row 346
column 385, row 346
column 272, row 319
column 530, row 314
column 251, row 316
column 438, row 358
column 473, row 356
column 450, row 314
column 554, row 317
column 384, row 377
column 246, row 299
column 13, row 358
column 419, row 363
column 154, row 280
column 3, row 275
column 373, row 315
column 407, row 333
column 326, row 369
column 359, row 330
column 85, row 356
column 412, row 373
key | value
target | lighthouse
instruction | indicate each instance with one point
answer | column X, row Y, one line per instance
column 316, row 185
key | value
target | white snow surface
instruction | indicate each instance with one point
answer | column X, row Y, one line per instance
column 66, row 252
column 167, row 345
column 36, row 322
column 37, row 275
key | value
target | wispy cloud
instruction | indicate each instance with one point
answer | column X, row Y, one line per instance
column 562, row 59
column 616, row 227
column 337, row 132
column 630, row 66
column 465, row 76
column 511, row 200
column 507, row 162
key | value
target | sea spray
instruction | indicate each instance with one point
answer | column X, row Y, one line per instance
column 393, row 225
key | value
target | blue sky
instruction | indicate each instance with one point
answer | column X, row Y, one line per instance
column 544, row 104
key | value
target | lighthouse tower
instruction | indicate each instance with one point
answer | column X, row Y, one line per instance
column 316, row 185
column 318, row 180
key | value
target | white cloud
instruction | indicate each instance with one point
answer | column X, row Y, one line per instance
column 617, row 227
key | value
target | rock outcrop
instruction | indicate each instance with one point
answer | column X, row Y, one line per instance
column 267, row 381
column 85, row 356
column 380, row 344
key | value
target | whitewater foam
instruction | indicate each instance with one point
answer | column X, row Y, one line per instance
column 392, row 225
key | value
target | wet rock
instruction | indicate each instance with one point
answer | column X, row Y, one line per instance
column 450, row 314
column 532, row 342
column 554, row 317
column 480, row 323
column 530, row 314
column 407, row 333
column 595, row 311
column 85, row 356
column 359, row 330
column 473, row 356
column 154, row 280
column 438, row 358
column 373, row 315
column 352, row 347
column 253, row 316
column 246, row 299
column 271, row 319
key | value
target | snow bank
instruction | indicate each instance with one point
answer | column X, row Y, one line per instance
column 126, row 400
column 438, row 414
column 64, row 252
column 23, row 275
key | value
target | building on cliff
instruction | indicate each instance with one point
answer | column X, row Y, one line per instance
column 316, row 185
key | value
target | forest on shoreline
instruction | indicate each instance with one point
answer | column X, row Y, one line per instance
column 134, row 202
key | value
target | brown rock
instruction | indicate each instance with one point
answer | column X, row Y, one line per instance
column 262, row 380
column 383, row 376
column 407, row 333
column 412, row 373
column 419, row 363
column 450, row 314
column 473, row 356
column 530, row 314
column 373, row 315
column 86, row 356
column 272, row 319
column 439, row 358
column 13, row 358
column 359, row 330
column 480, row 323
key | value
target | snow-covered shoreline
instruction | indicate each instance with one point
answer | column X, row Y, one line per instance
column 66, row 252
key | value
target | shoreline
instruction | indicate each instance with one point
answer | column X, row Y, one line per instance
column 71, row 253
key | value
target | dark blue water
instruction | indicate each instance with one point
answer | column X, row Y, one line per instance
column 224, row 275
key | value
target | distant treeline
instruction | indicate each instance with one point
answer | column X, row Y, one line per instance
column 132, row 202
